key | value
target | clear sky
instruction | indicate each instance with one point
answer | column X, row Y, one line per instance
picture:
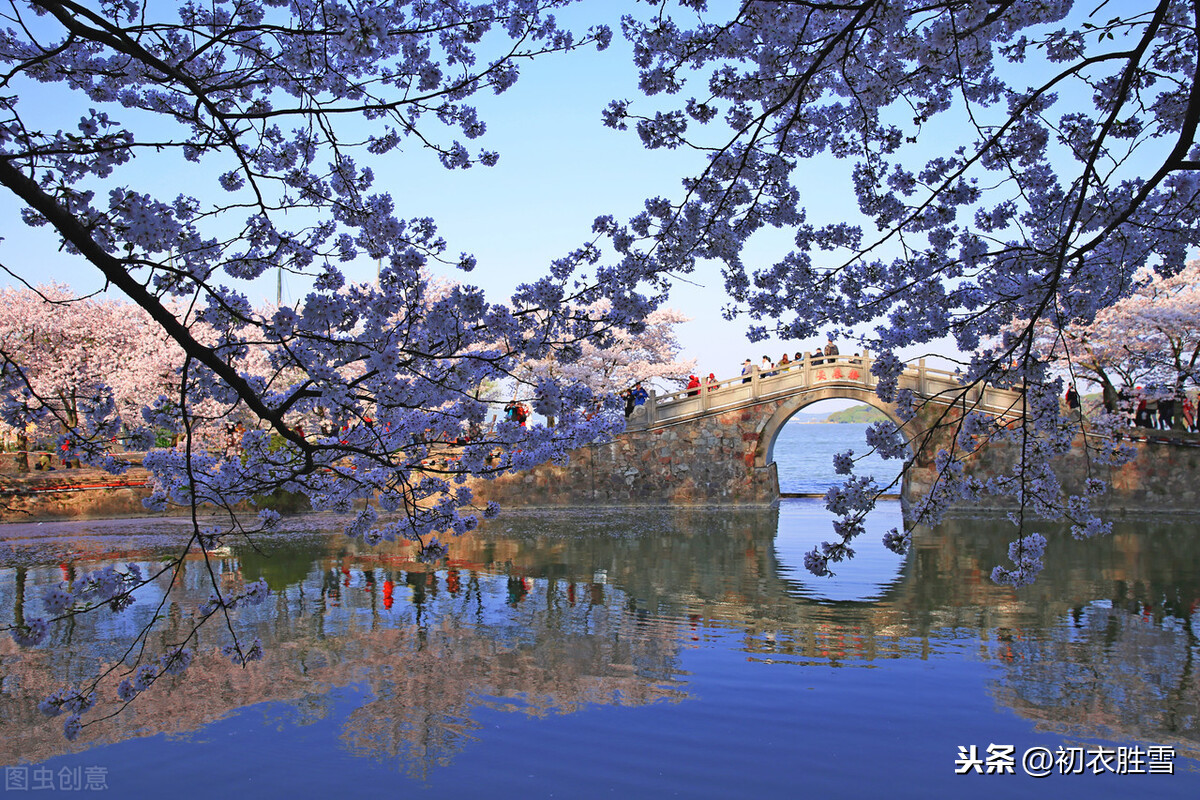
column 559, row 169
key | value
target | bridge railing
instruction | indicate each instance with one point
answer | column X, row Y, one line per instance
column 812, row 372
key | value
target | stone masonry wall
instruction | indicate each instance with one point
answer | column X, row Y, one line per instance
column 714, row 464
column 1164, row 475
column 709, row 464
column 684, row 465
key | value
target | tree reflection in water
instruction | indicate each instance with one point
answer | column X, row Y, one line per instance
column 554, row 613
column 1109, row 671
column 1124, row 662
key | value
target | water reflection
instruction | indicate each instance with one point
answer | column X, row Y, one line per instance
column 869, row 577
column 1108, row 669
column 550, row 614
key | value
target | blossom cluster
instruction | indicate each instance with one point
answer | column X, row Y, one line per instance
column 358, row 395
column 1035, row 204
column 109, row 586
column 983, row 199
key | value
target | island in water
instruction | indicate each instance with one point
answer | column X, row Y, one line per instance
column 860, row 413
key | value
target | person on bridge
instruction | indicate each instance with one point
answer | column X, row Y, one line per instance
column 1072, row 399
column 517, row 412
column 766, row 365
column 831, row 349
column 231, row 442
column 747, row 368
column 1166, row 409
column 1141, row 417
column 693, row 386
column 784, row 364
column 640, row 395
column 1125, row 404
column 711, row 382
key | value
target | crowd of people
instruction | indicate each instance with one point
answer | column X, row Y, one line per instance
column 820, row 356
column 516, row 412
column 1155, row 407
column 636, row 395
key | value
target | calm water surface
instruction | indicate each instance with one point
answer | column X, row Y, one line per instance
column 804, row 456
column 628, row 654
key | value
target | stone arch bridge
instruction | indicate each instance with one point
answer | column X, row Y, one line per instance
column 716, row 444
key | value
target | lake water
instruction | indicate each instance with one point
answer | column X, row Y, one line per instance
column 642, row 653
column 804, row 456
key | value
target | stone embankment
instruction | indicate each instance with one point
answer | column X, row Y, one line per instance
column 67, row 493
column 693, row 466
column 1163, row 476
column 70, row 493
column 679, row 465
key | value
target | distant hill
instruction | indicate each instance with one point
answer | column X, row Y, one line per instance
column 862, row 413
column 807, row 417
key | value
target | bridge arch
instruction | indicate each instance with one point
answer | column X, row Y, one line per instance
column 771, row 426
column 715, row 443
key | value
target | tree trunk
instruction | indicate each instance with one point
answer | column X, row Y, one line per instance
column 1177, row 423
column 1109, row 394
column 71, row 408
column 22, row 451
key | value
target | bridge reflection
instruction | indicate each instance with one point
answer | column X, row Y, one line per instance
column 549, row 613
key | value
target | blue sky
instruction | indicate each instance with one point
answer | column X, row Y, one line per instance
column 559, row 169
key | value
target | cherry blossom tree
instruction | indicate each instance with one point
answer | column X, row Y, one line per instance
column 1164, row 320
column 629, row 358
column 81, row 363
column 1151, row 336
column 276, row 110
column 1088, row 352
column 1010, row 160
